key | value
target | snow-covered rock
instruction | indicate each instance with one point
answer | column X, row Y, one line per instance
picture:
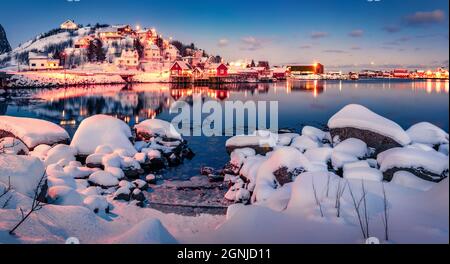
column 10, row 145
column 339, row 159
column 356, row 121
column 116, row 172
column 157, row 128
column 304, row 143
column 285, row 157
column 261, row 141
column 33, row 132
column 24, row 172
column 319, row 155
column 352, row 146
column 149, row 231
column 429, row 164
column 316, row 133
column 64, row 195
column 103, row 179
column 443, row 149
column 96, row 203
column 427, row 133
column 101, row 130
column 60, row 152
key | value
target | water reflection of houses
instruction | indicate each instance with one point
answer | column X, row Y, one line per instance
column 69, row 106
column 314, row 86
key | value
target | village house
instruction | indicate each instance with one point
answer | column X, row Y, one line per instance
column 315, row 68
column 83, row 42
column 171, row 53
column 69, row 25
column 152, row 58
column 109, row 35
column 125, row 30
column 217, row 70
column 42, row 62
column 180, row 68
column 129, row 59
column 198, row 73
column 279, row 73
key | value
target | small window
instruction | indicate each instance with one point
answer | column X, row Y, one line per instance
column 33, row 65
column 42, row 65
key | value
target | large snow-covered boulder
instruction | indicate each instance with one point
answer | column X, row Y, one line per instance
column 356, row 121
column 261, row 141
column 103, row 130
column 427, row 133
column 25, row 172
column 156, row 128
column 285, row 162
column 32, row 132
column 149, row 231
column 428, row 165
column 10, row 145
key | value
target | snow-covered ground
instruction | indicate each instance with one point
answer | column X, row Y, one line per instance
column 307, row 188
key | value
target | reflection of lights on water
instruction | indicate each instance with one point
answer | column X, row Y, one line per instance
column 340, row 86
column 429, row 86
column 68, row 122
column 438, row 86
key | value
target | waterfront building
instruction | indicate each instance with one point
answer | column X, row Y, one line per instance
column 312, row 69
column 400, row 73
column 217, row 70
column 42, row 62
column 180, row 68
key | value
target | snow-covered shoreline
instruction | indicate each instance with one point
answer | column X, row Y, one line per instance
column 313, row 187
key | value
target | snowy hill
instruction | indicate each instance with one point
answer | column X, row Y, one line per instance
column 42, row 43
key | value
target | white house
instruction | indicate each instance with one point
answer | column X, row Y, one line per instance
column 171, row 53
column 129, row 59
column 42, row 62
column 69, row 25
column 152, row 58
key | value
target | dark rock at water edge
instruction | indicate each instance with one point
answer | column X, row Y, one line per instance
column 374, row 140
column 419, row 172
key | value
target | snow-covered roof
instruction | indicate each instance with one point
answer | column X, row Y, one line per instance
column 37, row 56
column 108, row 29
column 183, row 65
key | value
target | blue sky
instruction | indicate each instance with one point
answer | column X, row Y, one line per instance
column 338, row 33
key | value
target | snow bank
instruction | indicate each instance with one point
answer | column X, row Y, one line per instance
column 369, row 174
column 149, row 231
column 432, row 161
column 409, row 180
column 33, row 132
column 358, row 116
column 25, row 172
column 156, row 127
column 102, row 130
column 427, row 133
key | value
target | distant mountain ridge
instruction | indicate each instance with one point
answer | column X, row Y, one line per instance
column 4, row 44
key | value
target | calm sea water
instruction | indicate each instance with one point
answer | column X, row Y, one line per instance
column 302, row 103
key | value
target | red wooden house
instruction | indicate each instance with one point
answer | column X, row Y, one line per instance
column 180, row 68
column 218, row 70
